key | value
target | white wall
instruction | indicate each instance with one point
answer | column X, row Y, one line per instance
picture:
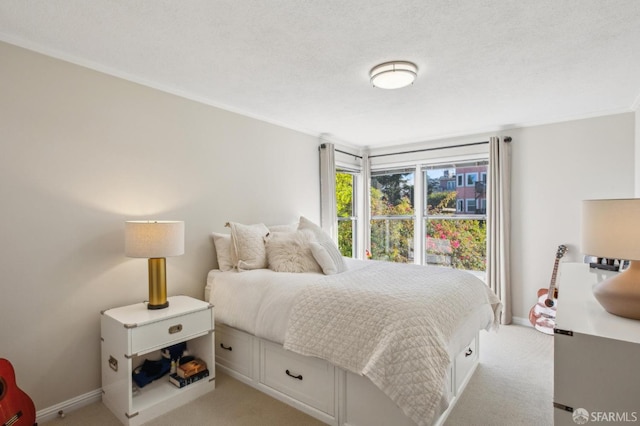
column 81, row 152
column 637, row 153
column 555, row 167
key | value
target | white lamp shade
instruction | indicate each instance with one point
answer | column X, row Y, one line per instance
column 611, row 228
column 154, row 239
column 393, row 75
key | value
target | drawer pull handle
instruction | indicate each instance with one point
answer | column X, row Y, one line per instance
column 468, row 352
column 299, row 376
column 175, row 329
column 226, row 348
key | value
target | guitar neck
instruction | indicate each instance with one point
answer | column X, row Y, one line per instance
column 552, row 285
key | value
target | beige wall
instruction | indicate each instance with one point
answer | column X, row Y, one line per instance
column 81, row 152
column 555, row 167
column 637, row 153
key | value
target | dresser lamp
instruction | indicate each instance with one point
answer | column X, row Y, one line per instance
column 611, row 229
column 155, row 240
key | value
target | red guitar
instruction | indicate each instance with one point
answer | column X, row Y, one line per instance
column 16, row 408
column 543, row 314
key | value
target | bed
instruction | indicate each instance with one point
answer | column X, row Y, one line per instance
column 377, row 344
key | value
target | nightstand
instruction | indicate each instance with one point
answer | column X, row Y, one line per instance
column 131, row 334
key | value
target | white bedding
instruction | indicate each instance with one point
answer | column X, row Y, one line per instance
column 262, row 302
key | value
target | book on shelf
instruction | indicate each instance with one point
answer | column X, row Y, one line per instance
column 182, row 381
column 191, row 367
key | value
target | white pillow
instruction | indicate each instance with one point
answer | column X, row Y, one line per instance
column 247, row 246
column 331, row 260
column 222, row 243
column 291, row 252
column 324, row 259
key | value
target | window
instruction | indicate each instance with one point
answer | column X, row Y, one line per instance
column 451, row 185
column 347, row 216
column 392, row 215
column 471, row 205
column 454, row 221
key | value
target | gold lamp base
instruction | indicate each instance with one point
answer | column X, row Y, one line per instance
column 157, row 283
column 620, row 294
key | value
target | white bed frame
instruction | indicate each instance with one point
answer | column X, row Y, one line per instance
column 328, row 393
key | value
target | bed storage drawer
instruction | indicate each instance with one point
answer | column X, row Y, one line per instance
column 233, row 349
column 309, row 380
column 465, row 361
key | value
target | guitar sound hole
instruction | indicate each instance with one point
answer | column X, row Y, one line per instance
column 3, row 388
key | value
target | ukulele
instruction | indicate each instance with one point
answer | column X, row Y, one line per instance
column 16, row 408
column 542, row 315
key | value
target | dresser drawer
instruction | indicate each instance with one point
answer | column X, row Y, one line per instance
column 464, row 362
column 309, row 380
column 160, row 334
column 233, row 349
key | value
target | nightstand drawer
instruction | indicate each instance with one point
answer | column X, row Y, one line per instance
column 156, row 335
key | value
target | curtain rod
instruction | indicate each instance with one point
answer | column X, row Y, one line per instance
column 322, row 146
column 506, row 139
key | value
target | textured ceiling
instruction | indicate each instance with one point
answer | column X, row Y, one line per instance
column 484, row 65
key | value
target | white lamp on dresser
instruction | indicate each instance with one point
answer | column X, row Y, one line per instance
column 611, row 229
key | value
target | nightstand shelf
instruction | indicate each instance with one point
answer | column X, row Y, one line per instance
column 131, row 334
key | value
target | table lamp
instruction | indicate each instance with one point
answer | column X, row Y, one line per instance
column 611, row 229
column 155, row 240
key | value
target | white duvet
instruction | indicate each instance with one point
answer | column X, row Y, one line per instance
column 391, row 323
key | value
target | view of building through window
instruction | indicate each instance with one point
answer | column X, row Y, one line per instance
column 455, row 216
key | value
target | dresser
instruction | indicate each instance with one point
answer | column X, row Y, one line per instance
column 131, row 334
column 596, row 355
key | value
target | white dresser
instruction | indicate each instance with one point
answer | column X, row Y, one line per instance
column 131, row 334
column 596, row 355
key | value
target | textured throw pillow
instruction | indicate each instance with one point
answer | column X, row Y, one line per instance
column 291, row 252
column 247, row 246
column 329, row 258
column 222, row 243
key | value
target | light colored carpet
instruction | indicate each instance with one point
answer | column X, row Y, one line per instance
column 513, row 385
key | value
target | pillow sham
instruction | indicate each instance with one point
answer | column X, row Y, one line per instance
column 222, row 242
column 247, row 246
column 329, row 258
column 291, row 252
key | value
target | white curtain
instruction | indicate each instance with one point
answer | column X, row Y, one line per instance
column 365, row 205
column 328, row 215
column 499, row 223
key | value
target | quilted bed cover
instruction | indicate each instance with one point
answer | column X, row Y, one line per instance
column 392, row 323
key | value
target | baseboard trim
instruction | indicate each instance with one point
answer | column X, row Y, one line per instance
column 69, row 405
column 521, row 321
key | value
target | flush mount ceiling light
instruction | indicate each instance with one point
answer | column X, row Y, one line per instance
column 393, row 75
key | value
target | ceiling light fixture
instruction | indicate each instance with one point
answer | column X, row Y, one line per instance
column 393, row 75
